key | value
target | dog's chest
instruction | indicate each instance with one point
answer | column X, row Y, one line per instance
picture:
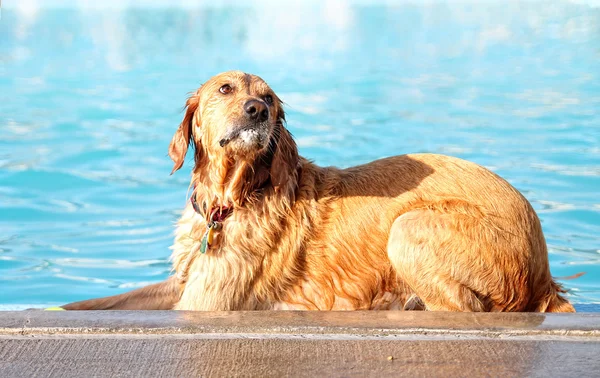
column 218, row 284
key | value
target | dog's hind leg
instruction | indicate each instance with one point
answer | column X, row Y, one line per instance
column 160, row 296
column 458, row 261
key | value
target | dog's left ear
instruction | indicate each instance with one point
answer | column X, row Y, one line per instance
column 181, row 140
column 284, row 165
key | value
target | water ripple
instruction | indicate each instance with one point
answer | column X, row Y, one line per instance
column 104, row 263
column 85, row 279
column 569, row 170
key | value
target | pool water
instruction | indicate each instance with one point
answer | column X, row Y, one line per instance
column 90, row 97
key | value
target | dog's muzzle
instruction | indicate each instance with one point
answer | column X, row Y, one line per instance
column 253, row 135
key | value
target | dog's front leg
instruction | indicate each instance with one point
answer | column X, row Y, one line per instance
column 160, row 296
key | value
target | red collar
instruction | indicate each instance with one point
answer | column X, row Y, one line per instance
column 217, row 214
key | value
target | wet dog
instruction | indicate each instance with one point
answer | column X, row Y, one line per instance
column 267, row 229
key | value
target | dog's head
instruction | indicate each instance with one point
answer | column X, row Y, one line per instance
column 236, row 117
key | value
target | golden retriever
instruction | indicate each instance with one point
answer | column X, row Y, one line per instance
column 267, row 229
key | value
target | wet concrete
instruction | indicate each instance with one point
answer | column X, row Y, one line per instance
column 165, row 343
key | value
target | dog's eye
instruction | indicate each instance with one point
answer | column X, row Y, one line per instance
column 226, row 89
column 269, row 99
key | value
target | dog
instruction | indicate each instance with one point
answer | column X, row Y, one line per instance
column 267, row 229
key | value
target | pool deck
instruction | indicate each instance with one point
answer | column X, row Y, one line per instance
column 263, row 344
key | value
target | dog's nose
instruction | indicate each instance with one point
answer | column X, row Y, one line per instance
column 256, row 110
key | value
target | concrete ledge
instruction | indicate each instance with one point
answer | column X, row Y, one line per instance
column 357, row 323
column 168, row 343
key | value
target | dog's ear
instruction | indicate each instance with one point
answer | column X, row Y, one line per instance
column 181, row 140
column 284, row 165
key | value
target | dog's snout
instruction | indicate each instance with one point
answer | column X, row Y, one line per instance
column 256, row 110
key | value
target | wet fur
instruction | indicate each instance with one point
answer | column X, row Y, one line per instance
column 407, row 232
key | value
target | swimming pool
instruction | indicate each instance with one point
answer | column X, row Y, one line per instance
column 90, row 97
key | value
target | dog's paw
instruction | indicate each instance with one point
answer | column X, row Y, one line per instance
column 414, row 303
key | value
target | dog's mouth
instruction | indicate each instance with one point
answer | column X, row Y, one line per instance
column 247, row 136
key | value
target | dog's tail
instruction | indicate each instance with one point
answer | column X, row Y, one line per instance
column 554, row 301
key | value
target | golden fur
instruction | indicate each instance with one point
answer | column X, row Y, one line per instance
column 407, row 232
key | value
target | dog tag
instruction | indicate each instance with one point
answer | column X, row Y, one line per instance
column 204, row 241
column 208, row 237
column 210, row 234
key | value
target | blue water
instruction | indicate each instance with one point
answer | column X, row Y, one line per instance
column 89, row 100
